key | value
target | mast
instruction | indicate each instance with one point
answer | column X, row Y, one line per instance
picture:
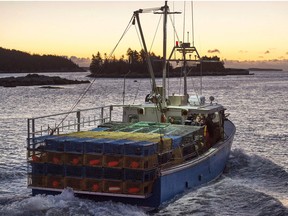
column 164, row 54
column 163, row 10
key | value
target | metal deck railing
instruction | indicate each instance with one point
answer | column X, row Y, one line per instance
column 75, row 121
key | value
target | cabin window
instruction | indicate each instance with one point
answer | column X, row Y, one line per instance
column 215, row 117
column 215, row 127
column 175, row 119
column 195, row 119
column 133, row 118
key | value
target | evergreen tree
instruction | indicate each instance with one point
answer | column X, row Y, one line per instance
column 17, row 61
column 136, row 66
column 96, row 63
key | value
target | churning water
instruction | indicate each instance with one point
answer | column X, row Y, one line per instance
column 254, row 183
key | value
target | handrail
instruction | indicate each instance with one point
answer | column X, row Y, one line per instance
column 64, row 113
column 84, row 119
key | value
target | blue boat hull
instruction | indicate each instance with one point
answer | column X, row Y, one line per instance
column 205, row 169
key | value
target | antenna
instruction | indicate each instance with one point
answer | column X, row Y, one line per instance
column 192, row 14
column 184, row 21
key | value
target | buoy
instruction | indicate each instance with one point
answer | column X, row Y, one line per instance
column 133, row 190
column 163, row 118
column 205, row 131
column 55, row 184
column 134, row 164
column 207, row 137
column 35, row 158
column 56, row 160
column 95, row 187
column 75, row 161
column 94, row 162
column 114, row 189
column 113, row 163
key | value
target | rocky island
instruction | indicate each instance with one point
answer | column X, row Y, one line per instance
column 137, row 68
column 15, row 61
column 35, row 79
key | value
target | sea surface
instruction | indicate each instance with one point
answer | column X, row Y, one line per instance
column 254, row 183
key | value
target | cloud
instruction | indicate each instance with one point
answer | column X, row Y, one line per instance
column 214, row 51
column 286, row 53
column 267, row 52
column 272, row 63
column 82, row 62
column 243, row 51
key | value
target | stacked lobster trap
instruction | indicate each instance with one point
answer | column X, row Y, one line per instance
column 107, row 159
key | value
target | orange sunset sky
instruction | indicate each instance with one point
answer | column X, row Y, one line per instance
column 251, row 32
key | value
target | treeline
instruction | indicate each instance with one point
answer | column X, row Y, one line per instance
column 136, row 66
column 210, row 64
column 18, row 61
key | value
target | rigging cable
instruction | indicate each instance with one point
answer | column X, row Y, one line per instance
column 172, row 20
column 142, row 47
column 155, row 33
column 184, row 21
column 193, row 44
column 168, row 71
column 192, row 14
column 82, row 95
column 193, row 84
column 174, row 28
column 158, row 103
column 139, row 38
column 178, row 39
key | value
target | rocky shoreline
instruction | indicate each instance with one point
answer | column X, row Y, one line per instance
column 35, row 79
column 176, row 73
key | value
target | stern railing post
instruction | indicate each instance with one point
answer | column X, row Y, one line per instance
column 28, row 135
column 102, row 115
column 78, row 120
column 110, row 113
column 33, row 128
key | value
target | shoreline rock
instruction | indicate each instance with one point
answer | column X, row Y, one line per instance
column 35, row 79
column 177, row 72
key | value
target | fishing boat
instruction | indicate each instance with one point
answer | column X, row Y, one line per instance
column 142, row 154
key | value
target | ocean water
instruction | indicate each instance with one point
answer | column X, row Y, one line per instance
column 254, row 183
